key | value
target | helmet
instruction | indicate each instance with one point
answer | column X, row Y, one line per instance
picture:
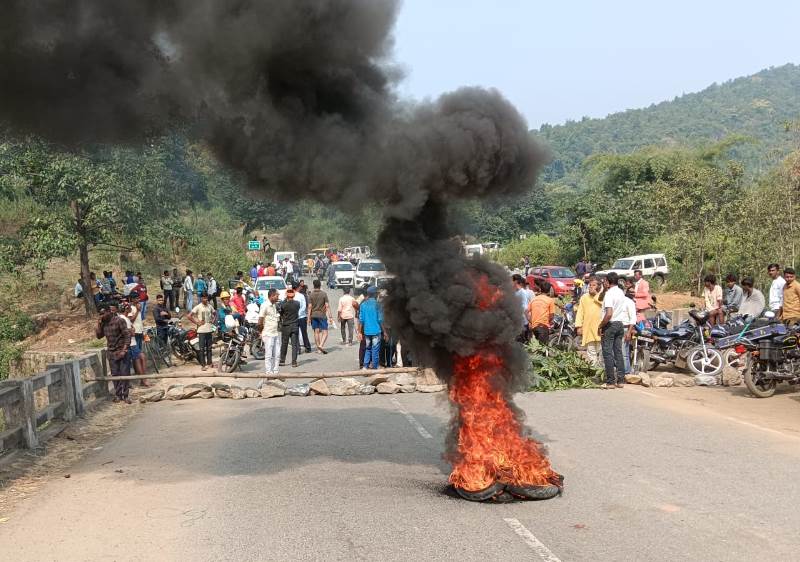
column 224, row 295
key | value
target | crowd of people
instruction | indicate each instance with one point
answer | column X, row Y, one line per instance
column 608, row 309
column 302, row 318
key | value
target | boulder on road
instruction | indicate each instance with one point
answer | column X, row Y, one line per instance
column 731, row 376
column 237, row 392
column 645, row 379
column 272, row 382
column 175, row 392
column 346, row 386
column 633, row 379
column 206, row 394
column 320, row 386
column 661, row 381
column 427, row 377
column 154, row 396
column 680, row 379
column 222, row 390
column 403, row 379
column 388, row 388
column 272, row 391
column 252, row 393
column 375, row 380
column 365, row 389
column 408, row 387
column 299, row 390
column 431, row 387
column 191, row 390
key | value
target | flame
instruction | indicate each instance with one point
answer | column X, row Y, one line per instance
column 491, row 446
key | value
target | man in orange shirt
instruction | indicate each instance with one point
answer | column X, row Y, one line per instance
column 541, row 311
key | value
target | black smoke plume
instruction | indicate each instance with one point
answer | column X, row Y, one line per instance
column 299, row 95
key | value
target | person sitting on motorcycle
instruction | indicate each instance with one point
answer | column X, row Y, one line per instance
column 251, row 313
column 712, row 295
column 225, row 309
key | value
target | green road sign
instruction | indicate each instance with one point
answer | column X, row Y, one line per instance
column 253, row 245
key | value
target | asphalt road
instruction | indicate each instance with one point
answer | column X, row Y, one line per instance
column 352, row 478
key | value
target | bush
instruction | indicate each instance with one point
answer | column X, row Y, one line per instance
column 15, row 326
column 542, row 250
column 9, row 353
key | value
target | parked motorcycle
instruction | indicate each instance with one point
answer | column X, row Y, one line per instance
column 563, row 333
column 772, row 360
column 233, row 347
column 180, row 341
column 687, row 344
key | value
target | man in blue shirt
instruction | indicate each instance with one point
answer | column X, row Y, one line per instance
column 370, row 319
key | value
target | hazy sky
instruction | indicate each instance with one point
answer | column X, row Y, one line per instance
column 563, row 60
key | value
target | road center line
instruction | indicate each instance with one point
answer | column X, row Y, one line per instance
column 535, row 544
column 412, row 420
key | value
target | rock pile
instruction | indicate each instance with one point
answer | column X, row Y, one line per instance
column 425, row 381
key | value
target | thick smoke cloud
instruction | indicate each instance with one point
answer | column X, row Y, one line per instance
column 299, row 95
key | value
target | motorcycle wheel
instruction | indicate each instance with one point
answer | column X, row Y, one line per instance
column 734, row 360
column 709, row 365
column 257, row 348
column 179, row 352
column 229, row 360
column 642, row 363
column 757, row 386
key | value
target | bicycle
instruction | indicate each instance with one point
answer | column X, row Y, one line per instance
column 153, row 350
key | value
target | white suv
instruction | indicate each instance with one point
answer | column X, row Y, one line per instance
column 652, row 265
column 367, row 270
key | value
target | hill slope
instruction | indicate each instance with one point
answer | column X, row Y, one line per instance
column 756, row 106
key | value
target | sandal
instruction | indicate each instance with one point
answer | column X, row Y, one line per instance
column 605, row 386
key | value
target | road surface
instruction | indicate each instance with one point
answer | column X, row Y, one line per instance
column 361, row 478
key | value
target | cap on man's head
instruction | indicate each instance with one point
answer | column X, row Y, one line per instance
column 372, row 290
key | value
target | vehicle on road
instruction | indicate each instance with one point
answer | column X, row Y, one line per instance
column 561, row 279
column 772, row 360
column 563, row 334
column 264, row 284
column 280, row 256
column 653, row 266
column 357, row 253
column 344, row 274
column 367, row 270
column 480, row 249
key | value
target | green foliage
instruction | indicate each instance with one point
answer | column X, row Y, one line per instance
column 541, row 249
column 555, row 369
column 314, row 224
column 215, row 243
column 15, row 326
column 9, row 354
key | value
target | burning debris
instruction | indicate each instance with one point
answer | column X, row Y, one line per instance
column 299, row 96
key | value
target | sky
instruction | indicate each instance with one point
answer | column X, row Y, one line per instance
column 565, row 60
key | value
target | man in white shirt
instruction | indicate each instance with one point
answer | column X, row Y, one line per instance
column 629, row 324
column 776, row 288
column 268, row 319
column 612, row 329
column 289, row 272
column 188, row 289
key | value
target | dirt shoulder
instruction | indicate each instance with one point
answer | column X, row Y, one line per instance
column 779, row 414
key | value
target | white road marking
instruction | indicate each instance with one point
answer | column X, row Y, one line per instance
column 412, row 420
column 535, row 544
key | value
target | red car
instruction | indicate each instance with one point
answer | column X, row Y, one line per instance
column 561, row 279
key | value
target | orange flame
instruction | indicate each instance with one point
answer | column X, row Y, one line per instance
column 491, row 446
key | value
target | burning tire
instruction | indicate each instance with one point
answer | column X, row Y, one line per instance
column 534, row 492
column 486, row 494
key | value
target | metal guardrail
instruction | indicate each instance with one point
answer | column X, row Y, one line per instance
column 26, row 426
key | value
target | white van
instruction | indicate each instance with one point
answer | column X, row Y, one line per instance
column 280, row 256
column 357, row 253
column 652, row 265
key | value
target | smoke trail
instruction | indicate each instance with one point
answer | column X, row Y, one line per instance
column 300, row 96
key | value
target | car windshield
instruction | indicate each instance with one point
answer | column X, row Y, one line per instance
column 622, row 264
column 562, row 272
column 343, row 266
column 267, row 284
column 371, row 266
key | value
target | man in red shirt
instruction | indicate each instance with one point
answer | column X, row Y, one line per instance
column 237, row 302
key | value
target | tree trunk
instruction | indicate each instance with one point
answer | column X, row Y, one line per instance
column 88, row 295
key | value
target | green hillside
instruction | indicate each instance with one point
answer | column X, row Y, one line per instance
column 756, row 106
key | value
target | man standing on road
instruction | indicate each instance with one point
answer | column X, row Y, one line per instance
column 641, row 293
column 319, row 312
column 204, row 316
column 612, row 332
column 302, row 322
column 540, row 312
column 524, row 297
column 188, row 289
column 268, row 324
column 161, row 316
column 177, row 284
column 752, row 301
column 166, row 286
column 113, row 327
column 790, row 312
column 587, row 321
column 290, row 313
column 776, row 288
column 346, row 314
column 213, row 289
column 137, row 346
column 629, row 324
column 370, row 318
